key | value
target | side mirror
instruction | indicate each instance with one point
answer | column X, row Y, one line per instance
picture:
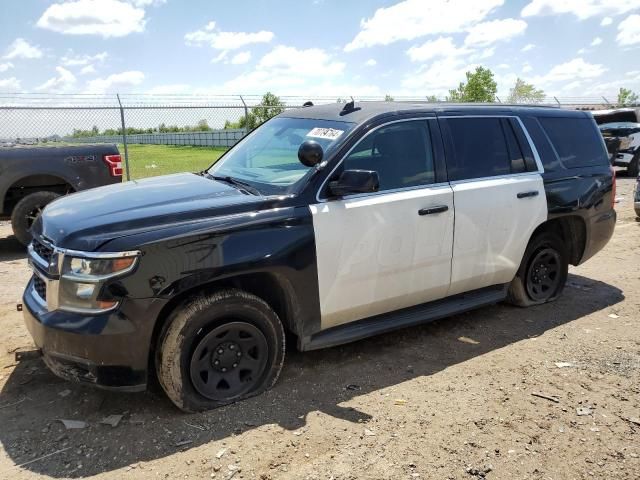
column 355, row 181
column 310, row 153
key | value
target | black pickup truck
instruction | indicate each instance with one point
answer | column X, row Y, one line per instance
column 33, row 176
column 329, row 223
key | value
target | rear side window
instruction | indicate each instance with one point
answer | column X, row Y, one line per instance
column 576, row 141
column 481, row 147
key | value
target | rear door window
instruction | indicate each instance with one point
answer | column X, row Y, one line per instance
column 477, row 147
column 576, row 141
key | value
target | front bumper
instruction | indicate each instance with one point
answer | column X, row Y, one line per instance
column 108, row 350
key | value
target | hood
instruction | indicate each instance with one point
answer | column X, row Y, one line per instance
column 86, row 220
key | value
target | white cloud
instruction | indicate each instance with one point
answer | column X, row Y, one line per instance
column 606, row 21
column 170, row 89
column 20, row 48
column 629, row 31
column 241, row 58
column 370, row 63
column 5, row 66
column 11, row 84
column 582, row 9
column 411, row 19
column 220, row 57
column 87, row 70
column 486, row 53
column 440, row 47
column 487, row 33
column 64, row 81
column 106, row 18
column 582, row 51
column 117, row 80
column 147, row 3
column 526, row 68
column 596, row 41
column 504, row 66
column 527, row 47
column 438, row 77
column 73, row 60
column 574, row 70
column 225, row 40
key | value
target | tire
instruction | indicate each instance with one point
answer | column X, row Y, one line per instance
column 542, row 273
column 26, row 211
column 219, row 348
column 634, row 167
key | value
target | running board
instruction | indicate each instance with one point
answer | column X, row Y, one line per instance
column 407, row 317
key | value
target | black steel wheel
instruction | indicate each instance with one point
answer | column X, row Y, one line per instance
column 229, row 361
column 543, row 274
column 218, row 348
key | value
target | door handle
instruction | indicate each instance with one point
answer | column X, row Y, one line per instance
column 532, row 193
column 432, row 210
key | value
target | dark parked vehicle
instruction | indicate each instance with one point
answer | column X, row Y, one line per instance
column 330, row 223
column 33, row 176
column 621, row 131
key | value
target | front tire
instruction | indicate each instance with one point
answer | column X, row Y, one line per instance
column 25, row 213
column 220, row 348
column 542, row 273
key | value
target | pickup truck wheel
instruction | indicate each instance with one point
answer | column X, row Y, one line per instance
column 542, row 273
column 26, row 211
column 220, row 348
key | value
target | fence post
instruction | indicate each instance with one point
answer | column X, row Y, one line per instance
column 246, row 115
column 124, row 137
column 557, row 101
column 606, row 101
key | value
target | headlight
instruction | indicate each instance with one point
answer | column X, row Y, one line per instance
column 83, row 277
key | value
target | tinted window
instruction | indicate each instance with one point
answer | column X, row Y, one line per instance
column 479, row 148
column 401, row 154
column 515, row 152
column 575, row 141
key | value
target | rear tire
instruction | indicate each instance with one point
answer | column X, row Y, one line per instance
column 26, row 211
column 542, row 273
column 219, row 348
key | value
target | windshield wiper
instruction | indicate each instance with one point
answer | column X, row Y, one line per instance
column 236, row 183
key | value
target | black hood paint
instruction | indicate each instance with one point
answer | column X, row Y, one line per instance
column 86, row 220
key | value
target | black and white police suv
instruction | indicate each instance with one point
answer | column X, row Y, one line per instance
column 331, row 223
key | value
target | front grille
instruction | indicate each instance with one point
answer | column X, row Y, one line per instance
column 43, row 251
column 40, row 287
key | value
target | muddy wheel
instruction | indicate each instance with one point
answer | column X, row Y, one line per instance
column 27, row 211
column 542, row 273
column 220, row 348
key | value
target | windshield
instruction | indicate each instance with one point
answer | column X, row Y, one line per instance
column 267, row 159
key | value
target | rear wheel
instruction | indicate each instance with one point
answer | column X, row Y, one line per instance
column 634, row 166
column 542, row 273
column 220, row 348
column 27, row 211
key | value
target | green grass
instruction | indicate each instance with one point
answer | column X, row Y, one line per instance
column 153, row 160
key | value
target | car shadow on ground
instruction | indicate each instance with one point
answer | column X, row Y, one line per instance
column 33, row 399
column 11, row 249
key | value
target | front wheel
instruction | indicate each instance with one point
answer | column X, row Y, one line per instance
column 542, row 273
column 220, row 348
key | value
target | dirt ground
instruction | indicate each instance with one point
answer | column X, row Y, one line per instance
column 482, row 394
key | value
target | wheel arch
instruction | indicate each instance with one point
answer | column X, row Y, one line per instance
column 572, row 229
column 276, row 290
column 26, row 184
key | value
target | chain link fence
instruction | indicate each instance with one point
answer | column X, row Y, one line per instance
column 161, row 134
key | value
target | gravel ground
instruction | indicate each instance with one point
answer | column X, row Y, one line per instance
column 550, row 392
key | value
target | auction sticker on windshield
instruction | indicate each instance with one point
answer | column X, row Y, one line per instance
column 328, row 133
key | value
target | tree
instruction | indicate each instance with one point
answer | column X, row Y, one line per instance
column 480, row 87
column 388, row 98
column 432, row 99
column 523, row 92
column 269, row 107
column 627, row 97
column 203, row 126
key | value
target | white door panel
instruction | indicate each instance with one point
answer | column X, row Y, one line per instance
column 375, row 254
column 492, row 228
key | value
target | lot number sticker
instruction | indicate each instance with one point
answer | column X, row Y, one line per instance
column 328, row 133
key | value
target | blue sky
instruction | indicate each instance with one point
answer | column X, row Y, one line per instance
column 317, row 47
